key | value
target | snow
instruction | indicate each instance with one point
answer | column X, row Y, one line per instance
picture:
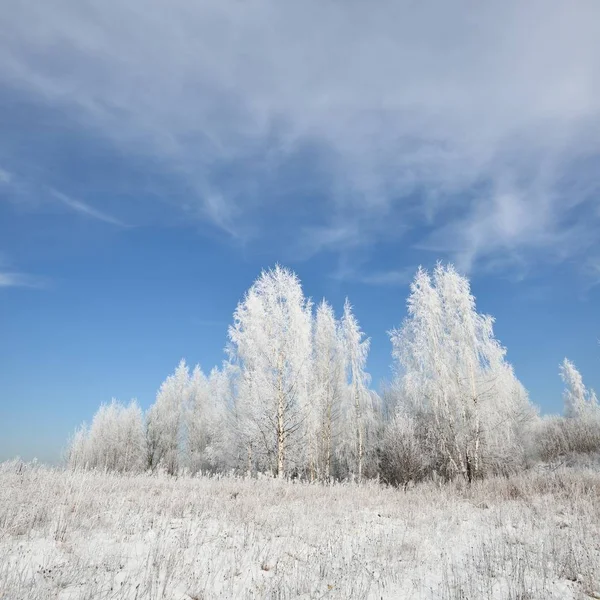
column 84, row 535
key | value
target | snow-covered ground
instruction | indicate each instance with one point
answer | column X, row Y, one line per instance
column 94, row 536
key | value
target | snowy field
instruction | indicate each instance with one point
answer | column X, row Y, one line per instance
column 92, row 536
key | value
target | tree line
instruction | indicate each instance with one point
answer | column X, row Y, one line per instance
column 293, row 399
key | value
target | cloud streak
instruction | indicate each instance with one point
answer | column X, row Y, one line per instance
column 477, row 124
column 85, row 209
column 5, row 176
column 392, row 278
column 8, row 280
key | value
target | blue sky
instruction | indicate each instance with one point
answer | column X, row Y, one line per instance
column 155, row 156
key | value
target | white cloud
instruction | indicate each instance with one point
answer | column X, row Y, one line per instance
column 5, row 176
column 31, row 194
column 85, row 209
column 21, row 280
column 480, row 120
column 11, row 278
column 592, row 269
column 392, row 277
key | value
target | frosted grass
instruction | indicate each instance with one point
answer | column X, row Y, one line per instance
column 86, row 535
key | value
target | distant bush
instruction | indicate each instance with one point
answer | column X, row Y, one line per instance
column 559, row 437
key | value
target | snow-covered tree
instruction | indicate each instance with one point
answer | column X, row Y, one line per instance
column 132, row 431
column 77, row 451
column 579, row 401
column 328, row 385
column 270, row 340
column 114, row 441
column 507, row 421
column 578, row 431
column 165, row 421
column 222, row 451
column 452, row 373
column 207, row 418
column 359, row 405
column 198, row 420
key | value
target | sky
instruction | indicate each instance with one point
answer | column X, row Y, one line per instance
column 154, row 157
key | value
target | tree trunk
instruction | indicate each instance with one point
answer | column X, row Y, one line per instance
column 328, row 444
column 359, row 434
column 469, row 469
column 477, row 424
column 280, row 442
column 280, row 424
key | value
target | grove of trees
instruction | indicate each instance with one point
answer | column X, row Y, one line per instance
column 293, row 399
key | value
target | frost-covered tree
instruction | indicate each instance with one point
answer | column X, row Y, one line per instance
column 165, row 432
column 114, row 441
column 270, row 340
column 208, row 420
column 132, row 430
column 578, row 431
column 453, row 374
column 359, row 405
column 507, row 419
column 222, row 451
column 77, row 450
column 328, row 385
column 578, row 400
column 198, row 420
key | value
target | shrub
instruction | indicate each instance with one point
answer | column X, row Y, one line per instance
column 560, row 437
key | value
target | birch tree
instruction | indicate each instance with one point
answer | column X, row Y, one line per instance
column 165, row 421
column 221, row 450
column 198, row 420
column 132, row 433
column 360, row 412
column 271, row 341
column 209, row 435
column 452, row 370
column 329, row 384
column 113, row 442
column 578, row 400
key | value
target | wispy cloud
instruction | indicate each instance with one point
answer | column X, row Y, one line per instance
column 393, row 277
column 85, row 209
column 592, row 269
column 5, row 176
column 21, row 280
column 359, row 273
column 461, row 117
